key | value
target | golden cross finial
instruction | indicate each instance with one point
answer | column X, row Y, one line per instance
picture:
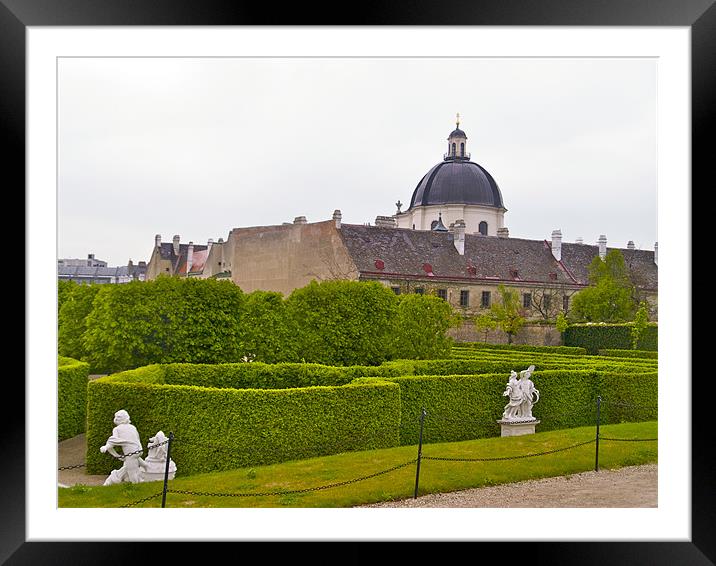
column 457, row 122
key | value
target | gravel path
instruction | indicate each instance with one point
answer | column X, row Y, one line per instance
column 631, row 486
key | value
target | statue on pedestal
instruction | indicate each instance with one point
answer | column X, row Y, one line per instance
column 522, row 393
column 126, row 437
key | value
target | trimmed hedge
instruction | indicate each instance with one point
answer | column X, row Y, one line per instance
column 595, row 337
column 218, row 429
column 234, row 415
column 629, row 354
column 72, row 378
column 574, row 350
column 463, row 407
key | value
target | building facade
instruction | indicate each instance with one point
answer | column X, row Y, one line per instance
column 451, row 242
column 94, row 271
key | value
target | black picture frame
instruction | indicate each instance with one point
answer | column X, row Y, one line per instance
column 17, row 15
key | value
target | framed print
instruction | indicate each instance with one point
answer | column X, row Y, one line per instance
column 358, row 91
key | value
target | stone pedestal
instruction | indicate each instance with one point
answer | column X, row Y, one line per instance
column 517, row 428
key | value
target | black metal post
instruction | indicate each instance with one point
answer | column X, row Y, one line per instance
column 596, row 456
column 420, row 452
column 166, row 469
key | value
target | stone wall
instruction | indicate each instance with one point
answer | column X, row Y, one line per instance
column 532, row 334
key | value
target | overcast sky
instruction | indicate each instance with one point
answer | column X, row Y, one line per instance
column 196, row 147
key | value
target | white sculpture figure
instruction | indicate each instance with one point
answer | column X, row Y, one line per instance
column 514, row 392
column 126, row 437
column 156, row 461
column 530, row 395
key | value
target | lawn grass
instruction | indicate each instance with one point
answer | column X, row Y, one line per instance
column 435, row 475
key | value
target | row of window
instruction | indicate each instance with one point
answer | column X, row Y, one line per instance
column 486, row 298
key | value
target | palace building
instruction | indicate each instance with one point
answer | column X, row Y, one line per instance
column 451, row 241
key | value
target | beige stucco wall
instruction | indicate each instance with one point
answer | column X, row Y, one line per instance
column 423, row 216
column 284, row 258
column 156, row 265
column 474, row 308
column 532, row 334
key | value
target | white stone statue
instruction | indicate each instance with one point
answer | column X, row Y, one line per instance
column 514, row 392
column 523, row 396
column 530, row 395
column 156, row 461
column 126, row 437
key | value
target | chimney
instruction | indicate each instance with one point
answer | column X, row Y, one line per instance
column 175, row 245
column 209, row 243
column 602, row 241
column 221, row 241
column 579, row 240
column 385, row 222
column 142, row 264
column 656, row 253
column 337, row 218
column 630, row 245
column 130, row 264
column 459, row 239
column 300, row 220
column 503, row 233
column 557, row 244
column 90, row 256
column 157, row 240
column 189, row 257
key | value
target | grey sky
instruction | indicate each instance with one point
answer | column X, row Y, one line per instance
column 196, row 147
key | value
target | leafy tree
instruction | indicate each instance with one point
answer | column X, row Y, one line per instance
column 421, row 326
column 610, row 296
column 343, row 322
column 162, row 321
column 506, row 312
column 484, row 323
column 641, row 321
column 561, row 323
column 64, row 288
column 268, row 334
column 77, row 304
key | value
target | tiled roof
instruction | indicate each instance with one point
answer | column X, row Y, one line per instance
column 420, row 253
column 166, row 252
column 577, row 257
column 81, row 271
column 199, row 260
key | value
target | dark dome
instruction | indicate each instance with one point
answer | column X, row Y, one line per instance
column 457, row 181
column 457, row 132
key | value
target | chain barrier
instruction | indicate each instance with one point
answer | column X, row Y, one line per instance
column 409, row 424
column 120, row 457
column 294, row 491
column 509, row 457
column 628, row 439
column 71, row 467
column 133, row 503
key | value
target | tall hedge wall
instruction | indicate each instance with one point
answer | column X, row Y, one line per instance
column 630, row 354
column 232, row 415
column 226, row 428
column 72, row 378
column 595, row 337
column 461, row 407
column 574, row 350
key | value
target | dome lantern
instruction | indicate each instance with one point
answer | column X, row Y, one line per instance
column 457, row 143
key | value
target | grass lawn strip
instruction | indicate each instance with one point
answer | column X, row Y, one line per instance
column 435, row 476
